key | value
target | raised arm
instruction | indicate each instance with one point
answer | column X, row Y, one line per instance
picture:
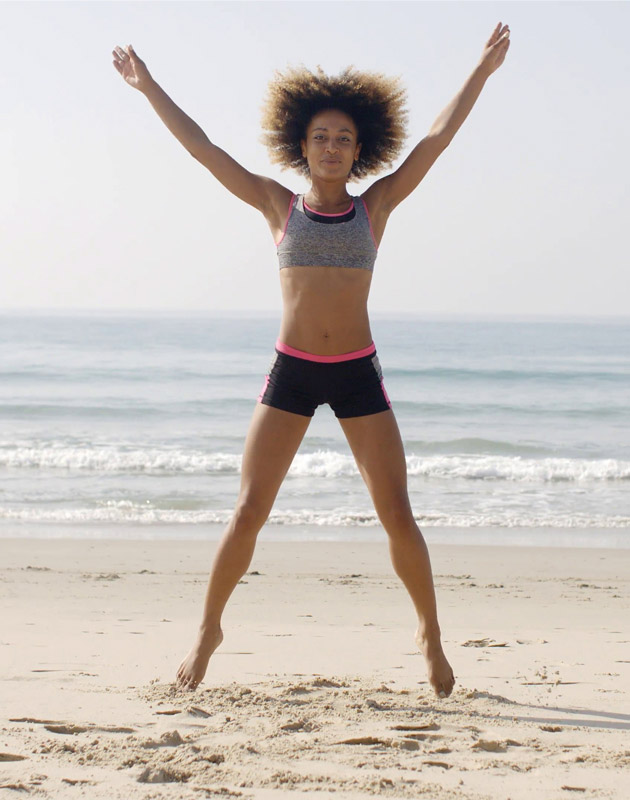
column 385, row 194
column 263, row 193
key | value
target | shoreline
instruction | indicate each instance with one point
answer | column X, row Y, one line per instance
column 564, row 538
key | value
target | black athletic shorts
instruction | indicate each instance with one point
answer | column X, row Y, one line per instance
column 351, row 383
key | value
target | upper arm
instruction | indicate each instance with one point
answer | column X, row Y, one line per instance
column 386, row 193
column 265, row 194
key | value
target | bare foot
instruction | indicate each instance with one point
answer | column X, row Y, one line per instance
column 439, row 670
column 194, row 666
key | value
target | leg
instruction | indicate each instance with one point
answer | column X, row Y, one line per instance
column 272, row 441
column 377, row 447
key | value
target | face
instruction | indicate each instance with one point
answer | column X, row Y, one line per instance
column 331, row 145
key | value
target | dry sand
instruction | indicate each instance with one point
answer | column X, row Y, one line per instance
column 317, row 689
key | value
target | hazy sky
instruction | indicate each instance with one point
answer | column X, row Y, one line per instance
column 100, row 207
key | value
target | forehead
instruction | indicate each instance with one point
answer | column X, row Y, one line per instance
column 332, row 119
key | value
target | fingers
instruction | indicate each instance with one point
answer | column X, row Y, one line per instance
column 499, row 33
column 124, row 54
column 120, row 57
column 503, row 42
column 126, row 60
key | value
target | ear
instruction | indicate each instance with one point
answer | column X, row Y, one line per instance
column 303, row 147
column 357, row 151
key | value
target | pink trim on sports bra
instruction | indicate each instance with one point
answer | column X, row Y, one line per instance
column 286, row 223
column 367, row 214
column 321, row 214
column 291, row 351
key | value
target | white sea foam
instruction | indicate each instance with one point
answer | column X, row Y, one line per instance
column 320, row 464
column 133, row 513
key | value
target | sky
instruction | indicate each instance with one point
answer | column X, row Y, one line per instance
column 524, row 214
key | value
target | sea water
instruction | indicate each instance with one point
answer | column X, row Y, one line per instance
column 134, row 424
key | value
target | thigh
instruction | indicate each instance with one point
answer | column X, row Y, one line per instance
column 271, row 443
column 378, row 450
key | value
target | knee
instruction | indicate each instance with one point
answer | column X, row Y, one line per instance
column 249, row 515
column 397, row 517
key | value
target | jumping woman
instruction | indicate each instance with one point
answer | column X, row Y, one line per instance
column 331, row 130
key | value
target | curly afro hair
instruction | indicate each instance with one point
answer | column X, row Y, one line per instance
column 375, row 102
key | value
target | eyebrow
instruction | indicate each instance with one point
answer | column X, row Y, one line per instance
column 339, row 131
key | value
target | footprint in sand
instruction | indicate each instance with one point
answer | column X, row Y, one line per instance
column 66, row 729
column 167, row 739
column 484, row 643
column 152, row 775
column 327, row 683
column 427, row 726
column 398, row 744
column 493, row 746
column 300, row 725
column 197, row 711
column 72, row 729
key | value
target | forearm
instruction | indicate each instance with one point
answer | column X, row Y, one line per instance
column 451, row 118
column 179, row 124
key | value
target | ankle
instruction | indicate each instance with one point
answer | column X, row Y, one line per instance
column 429, row 636
column 209, row 630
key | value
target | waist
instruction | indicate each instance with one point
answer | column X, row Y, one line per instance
column 305, row 260
column 281, row 347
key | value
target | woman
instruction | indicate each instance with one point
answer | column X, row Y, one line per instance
column 331, row 129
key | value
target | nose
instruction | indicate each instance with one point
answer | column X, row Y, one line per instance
column 331, row 147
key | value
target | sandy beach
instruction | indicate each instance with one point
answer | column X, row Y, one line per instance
column 317, row 689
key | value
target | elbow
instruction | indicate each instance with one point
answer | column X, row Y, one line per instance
column 440, row 139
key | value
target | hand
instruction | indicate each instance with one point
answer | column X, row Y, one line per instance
column 132, row 68
column 496, row 47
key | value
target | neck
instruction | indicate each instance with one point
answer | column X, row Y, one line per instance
column 322, row 196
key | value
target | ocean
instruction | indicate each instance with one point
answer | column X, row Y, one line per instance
column 123, row 425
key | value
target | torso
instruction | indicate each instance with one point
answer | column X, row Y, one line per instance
column 324, row 307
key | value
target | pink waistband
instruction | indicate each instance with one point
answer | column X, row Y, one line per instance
column 281, row 347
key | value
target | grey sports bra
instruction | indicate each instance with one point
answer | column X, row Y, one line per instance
column 311, row 239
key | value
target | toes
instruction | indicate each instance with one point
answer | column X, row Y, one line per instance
column 444, row 690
